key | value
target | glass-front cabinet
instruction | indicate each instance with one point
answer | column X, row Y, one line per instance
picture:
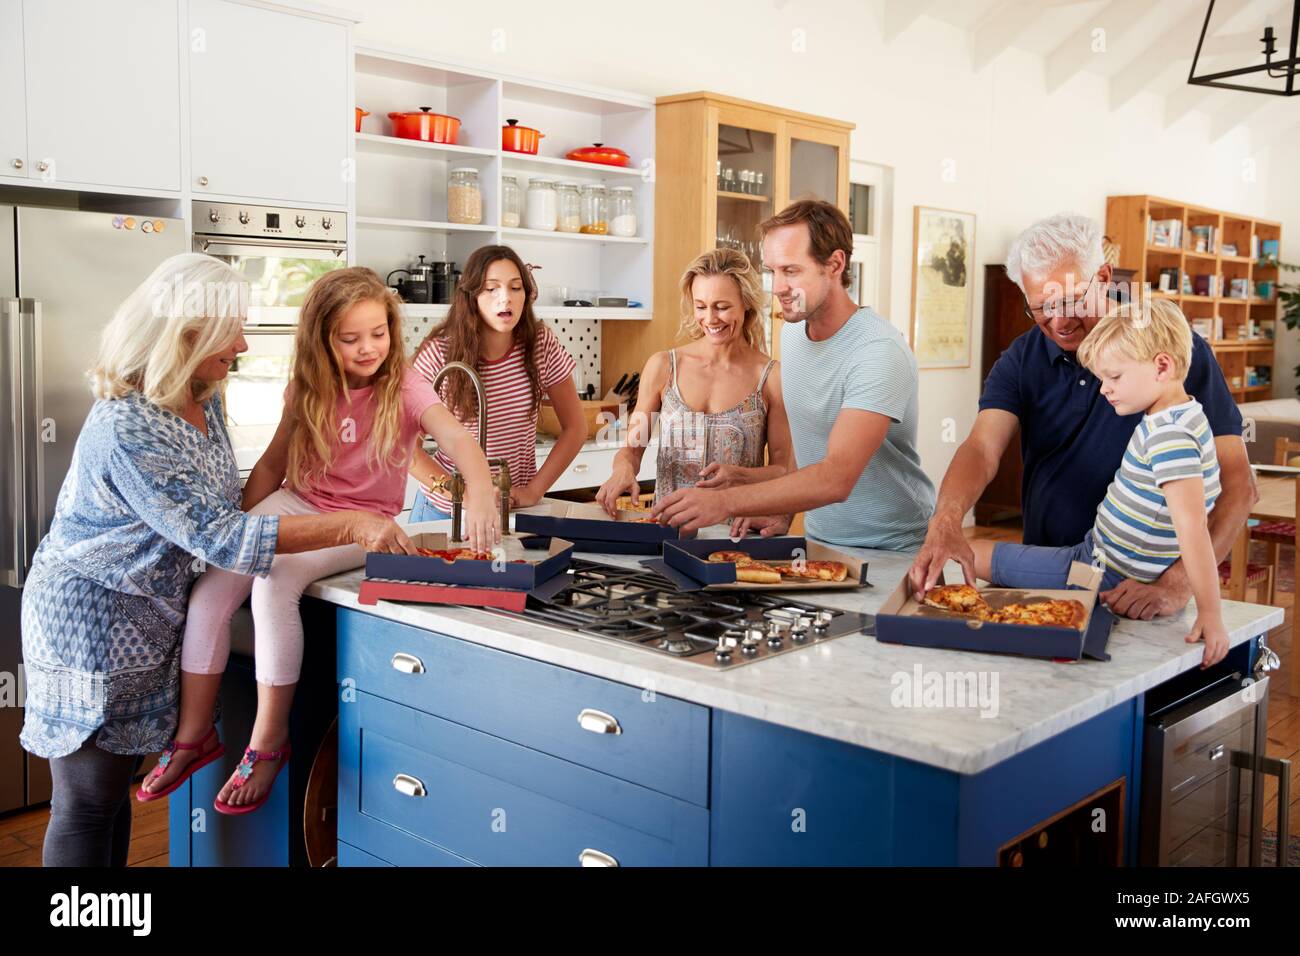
column 722, row 166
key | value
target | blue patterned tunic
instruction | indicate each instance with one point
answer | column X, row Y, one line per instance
column 147, row 501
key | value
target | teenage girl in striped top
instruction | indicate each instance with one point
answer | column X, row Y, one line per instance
column 492, row 329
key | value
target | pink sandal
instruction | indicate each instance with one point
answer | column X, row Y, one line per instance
column 245, row 770
column 144, row 796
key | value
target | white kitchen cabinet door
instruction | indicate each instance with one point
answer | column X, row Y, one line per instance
column 103, row 92
column 13, row 96
column 269, row 111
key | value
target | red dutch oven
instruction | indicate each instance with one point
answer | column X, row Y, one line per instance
column 519, row 139
column 600, row 153
column 426, row 126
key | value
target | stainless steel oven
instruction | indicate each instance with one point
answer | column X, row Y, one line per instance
column 280, row 252
column 1203, row 777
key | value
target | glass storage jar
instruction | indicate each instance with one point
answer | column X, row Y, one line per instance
column 511, row 203
column 464, row 198
column 541, row 210
column 622, row 211
column 595, row 210
column 570, row 207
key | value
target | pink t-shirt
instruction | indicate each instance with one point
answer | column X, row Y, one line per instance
column 353, row 480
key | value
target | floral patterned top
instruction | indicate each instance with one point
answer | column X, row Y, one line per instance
column 689, row 440
column 147, row 501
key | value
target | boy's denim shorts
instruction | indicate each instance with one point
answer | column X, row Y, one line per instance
column 1037, row 566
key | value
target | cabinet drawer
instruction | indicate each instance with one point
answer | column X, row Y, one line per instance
column 662, row 743
column 499, row 803
column 351, row 856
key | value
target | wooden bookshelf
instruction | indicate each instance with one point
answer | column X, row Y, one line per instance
column 1127, row 223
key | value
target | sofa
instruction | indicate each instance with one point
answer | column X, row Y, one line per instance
column 1265, row 422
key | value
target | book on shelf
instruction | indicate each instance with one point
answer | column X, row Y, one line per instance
column 1165, row 232
column 1203, row 239
column 1264, row 289
column 1169, row 279
column 1228, row 249
column 1268, row 251
column 1207, row 285
column 1254, row 247
column 1203, row 327
column 1239, row 288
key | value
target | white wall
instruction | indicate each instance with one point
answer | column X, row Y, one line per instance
column 993, row 142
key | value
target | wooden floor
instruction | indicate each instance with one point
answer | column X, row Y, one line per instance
column 22, row 833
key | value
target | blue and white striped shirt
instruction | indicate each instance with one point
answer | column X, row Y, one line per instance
column 1134, row 531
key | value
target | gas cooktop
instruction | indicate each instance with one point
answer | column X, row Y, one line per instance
column 638, row 607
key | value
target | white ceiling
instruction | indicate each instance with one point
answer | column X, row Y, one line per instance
column 1149, row 46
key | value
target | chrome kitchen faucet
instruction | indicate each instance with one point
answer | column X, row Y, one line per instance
column 454, row 484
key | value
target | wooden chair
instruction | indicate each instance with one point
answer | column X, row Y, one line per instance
column 1277, row 533
column 1237, row 575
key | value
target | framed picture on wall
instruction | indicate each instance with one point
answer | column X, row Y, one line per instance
column 943, row 286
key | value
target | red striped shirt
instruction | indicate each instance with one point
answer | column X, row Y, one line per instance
column 512, row 418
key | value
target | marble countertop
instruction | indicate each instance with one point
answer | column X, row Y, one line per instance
column 851, row 688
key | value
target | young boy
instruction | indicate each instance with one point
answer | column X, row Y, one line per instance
column 1155, row 509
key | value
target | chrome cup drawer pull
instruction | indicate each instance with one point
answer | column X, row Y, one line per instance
column 407, row 663
column 408, row 785
column 590, row 857
column 598, row 722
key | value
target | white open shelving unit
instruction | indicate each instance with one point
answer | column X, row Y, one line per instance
column 400, row 187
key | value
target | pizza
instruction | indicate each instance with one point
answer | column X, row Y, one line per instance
column 643, row 520
column 457, row 554
column 965, row 599
column 1051, row 613
column 961, row 598
column 753, row 571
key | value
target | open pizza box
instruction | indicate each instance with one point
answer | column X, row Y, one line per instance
column 686, row 563
column 902, row 619
column 590, row 528
column 516, row 568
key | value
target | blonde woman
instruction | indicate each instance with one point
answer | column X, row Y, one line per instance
column 718, row 398
column 151, row 497
column 352, row 414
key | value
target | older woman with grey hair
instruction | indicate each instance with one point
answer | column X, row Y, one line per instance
column 151, row 497
column 1071, row 440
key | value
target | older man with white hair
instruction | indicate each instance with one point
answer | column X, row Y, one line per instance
column 1071, row 439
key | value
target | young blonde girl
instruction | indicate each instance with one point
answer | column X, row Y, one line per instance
column 491, row 328
column 352, row 414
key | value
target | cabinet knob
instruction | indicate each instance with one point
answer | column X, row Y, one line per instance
column 407, row 663
column 598, row 722
column 410, row 786
column 590, row 857
column 42, row 166
column 18, row 164
column 203, row 180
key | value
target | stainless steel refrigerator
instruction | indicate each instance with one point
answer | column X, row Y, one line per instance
column 62, row 274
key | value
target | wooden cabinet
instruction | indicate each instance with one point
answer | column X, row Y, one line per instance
column 1194, row 244
column 13, row 99
column 790, row 156
column 270, row 117
column 102, row 92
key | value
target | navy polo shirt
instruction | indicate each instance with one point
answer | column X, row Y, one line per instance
column 1071, row 440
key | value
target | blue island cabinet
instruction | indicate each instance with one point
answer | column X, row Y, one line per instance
column 455, row 754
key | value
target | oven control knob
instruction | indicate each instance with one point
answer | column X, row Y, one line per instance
column 723, row 651
column 300, row 221
column 244, row 217
column 822, row 622
column 214, row 216
column 326, row 223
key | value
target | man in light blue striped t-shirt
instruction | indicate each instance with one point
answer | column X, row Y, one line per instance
column 1155, row 511
column 850, row 388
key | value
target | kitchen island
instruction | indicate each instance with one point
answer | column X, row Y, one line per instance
column 467, row 736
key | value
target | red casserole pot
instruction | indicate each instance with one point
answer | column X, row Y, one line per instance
column 520, row 139
column 600, row 153
column 426, row 126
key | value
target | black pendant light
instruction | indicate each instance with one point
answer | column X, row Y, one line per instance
column 1282, row 68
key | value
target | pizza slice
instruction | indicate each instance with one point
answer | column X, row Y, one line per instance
column 459, row 554
column 962, row 598
column 748, row 570
column 814, row 570
column 1050, row 613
